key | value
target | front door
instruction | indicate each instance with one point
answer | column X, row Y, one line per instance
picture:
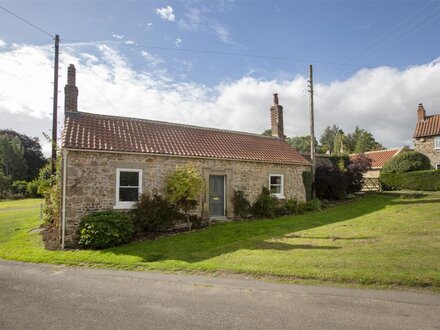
column 216, row 195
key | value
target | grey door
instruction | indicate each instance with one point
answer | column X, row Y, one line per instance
column 216, row 195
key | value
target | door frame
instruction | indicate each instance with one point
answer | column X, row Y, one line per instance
column 228, row 174
column 224, row 196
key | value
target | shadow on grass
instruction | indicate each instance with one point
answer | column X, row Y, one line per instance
column 250, row 235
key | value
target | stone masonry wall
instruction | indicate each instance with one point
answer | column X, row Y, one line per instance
column 91, row 180
column 426, row 147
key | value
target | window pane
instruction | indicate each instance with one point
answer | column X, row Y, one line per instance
column 128, row 194
column 437, row 142
column 130, row 179
column 275, row 189
column 275, row 180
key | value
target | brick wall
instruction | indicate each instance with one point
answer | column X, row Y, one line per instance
column 91, row 180
column 426, row 146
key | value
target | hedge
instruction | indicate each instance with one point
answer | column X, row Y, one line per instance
column 419, row 180
column 407, row 162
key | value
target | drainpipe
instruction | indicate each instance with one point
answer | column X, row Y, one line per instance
column 63, row 220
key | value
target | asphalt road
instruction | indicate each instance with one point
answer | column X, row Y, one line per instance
column 56, row 297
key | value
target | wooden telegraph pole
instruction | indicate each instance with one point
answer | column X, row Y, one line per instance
column 55, row 104
column 312, row 131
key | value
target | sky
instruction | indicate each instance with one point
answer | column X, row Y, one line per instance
column 217, row 63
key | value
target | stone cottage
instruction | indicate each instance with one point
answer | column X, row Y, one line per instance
column 427, row 136
column 108, row 161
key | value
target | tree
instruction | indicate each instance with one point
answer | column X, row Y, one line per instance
column 11, row 158
column 301, row 143
column 339, row 143
column 361, row 141
column 267, row 132
column 183, row 188
column 355, row 172
column 328, row 137
column 33, row 155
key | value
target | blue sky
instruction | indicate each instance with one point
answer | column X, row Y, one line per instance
column 365, row 55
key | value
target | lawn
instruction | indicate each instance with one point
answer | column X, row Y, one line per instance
column 389, row 239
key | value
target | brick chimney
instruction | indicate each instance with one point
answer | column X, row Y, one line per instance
column 276, row 118
column 421, row 113
column 71, row 91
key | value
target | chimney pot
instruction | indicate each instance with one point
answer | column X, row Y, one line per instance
column 275, row 98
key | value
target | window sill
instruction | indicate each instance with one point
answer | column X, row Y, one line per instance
column 123, row 207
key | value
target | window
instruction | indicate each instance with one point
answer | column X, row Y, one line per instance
column 437, row 142
column 437, row 166
column 128, row 187
column 276, row 185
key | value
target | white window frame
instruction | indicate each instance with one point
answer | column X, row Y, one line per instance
column 436, row 142
column 126, row 205
column 437, row 166
column 280, row 195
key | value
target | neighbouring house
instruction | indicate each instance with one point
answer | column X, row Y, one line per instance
column 108, row 161
column 378, row 159
column 427, row 136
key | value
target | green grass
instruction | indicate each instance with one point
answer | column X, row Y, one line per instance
column 390, row 239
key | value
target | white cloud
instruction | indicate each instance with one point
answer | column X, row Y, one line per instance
column 382, row 100
column 177, row 42
column 130, row 42
column 2, row 43
column 151, row 59
column 118, row 36
column 166, row 13
column 196, row 19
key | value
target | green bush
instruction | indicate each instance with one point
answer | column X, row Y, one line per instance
column 330, row 183
column 154, row 214
column 307, row 181
column 242, row 205
column 418, row 180
column 407, row 162
column 105, row 229
column 265, row 206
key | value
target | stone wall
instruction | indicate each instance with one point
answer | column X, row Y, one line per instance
column 426, row 146
column 91, row 180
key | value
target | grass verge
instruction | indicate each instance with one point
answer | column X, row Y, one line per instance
column 382, row 240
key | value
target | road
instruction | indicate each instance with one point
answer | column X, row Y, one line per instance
column 56, row 297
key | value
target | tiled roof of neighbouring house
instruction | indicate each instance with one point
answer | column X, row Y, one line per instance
column 87, row 131
column 428, row 127
column 379, row 157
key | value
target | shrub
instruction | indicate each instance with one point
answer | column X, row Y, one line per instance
column 307, row 181
column 19, row 188
column 355, row 173
column 242, row 205
column 105, row 229
column 407, row 162
column 419, row 180
column 154, row 214
column 313, row 205
column 265, row 206
column 287, row 207
column 183, row 188
column 330, row 183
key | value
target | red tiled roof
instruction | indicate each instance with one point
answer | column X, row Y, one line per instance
column 379, row 157
column 428, row 127
column 88, row 131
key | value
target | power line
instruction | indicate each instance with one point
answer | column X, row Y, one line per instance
column 27, row 22
column 214, row 52
column 349, row 109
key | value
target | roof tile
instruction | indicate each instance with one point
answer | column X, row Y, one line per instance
column 379, row 157
column 87, row 131
column 428, row 127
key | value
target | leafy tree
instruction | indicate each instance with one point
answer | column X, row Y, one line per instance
column 183, row 188
column 328, row 137
column 11, row 158
column 5, row 182
column 339, row 143
column 361, row 141
column 33, row 155
column 267, row 132
column 355, row 172
column 301, row 143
